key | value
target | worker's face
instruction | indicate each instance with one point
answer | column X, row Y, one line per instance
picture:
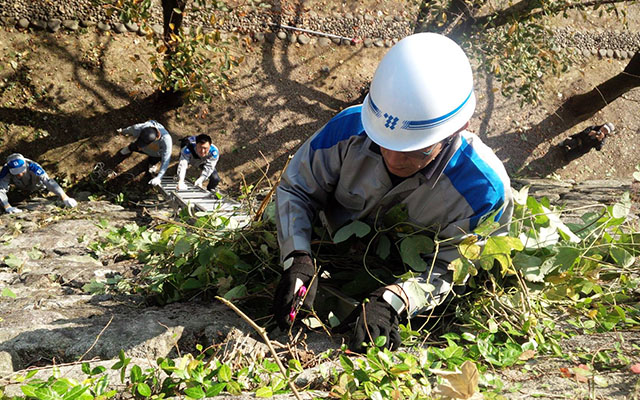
column 21, row 174
column 407, row 163
column 203, row 149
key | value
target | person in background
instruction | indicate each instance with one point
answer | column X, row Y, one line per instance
column 407, row 145
column 592, row 137
column 27, row 176
column 200, row 152
column 154, row 140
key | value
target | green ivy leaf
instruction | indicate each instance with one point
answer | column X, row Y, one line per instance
column 264, row 392
column 215, row 389
column 461, row 269
column 29, row 391
column 224, row 374
column 191, row 284
column 143, row 389
column 384, row 247
column 396, row 215
column 358, row 228
column 74, row 393
column 13, row 262
column 380, row 341
column 622, row 257
column 226, row 257
column 136, row 374
column 205, row 256
column 621, row 209
column 94, row 287
column 410, row 249
column 566, row 257
column 235, row 293
column 183, row 246
column 6, row 292
column 195, row 392
column 530, row 266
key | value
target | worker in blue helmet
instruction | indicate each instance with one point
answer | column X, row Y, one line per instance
column 27, row 176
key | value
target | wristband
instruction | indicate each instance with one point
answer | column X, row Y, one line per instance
column 394, row 300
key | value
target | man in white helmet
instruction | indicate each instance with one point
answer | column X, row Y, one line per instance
column 27, row 175
column 154, row 140
column 407, row 145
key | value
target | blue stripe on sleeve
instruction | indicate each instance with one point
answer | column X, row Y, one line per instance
column 36, row 169
column 344, row 125
column 4, row 171
column 476, row 181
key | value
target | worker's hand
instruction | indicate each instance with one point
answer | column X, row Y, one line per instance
column 70, row 202
column 181, row 186
column 199, row 182
column 155, row 181
column 286, row 301
column 13, row 210
column 373, row 318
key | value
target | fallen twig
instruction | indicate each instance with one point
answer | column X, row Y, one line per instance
column 97, row 338
column 263, row 335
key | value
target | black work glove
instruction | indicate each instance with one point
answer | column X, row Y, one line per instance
column 378, row 317
column 287, row 297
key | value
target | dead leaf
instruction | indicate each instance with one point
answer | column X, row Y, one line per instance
column 565, row 372
column 527, row 355
column 462, row 384
column 582, row 373
column 635, row 368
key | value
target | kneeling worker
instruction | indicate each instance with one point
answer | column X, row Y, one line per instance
column 27, row 175
column 407, row 145
column 199, row 151
column 154, row 140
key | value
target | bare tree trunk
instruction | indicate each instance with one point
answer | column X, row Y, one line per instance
column 589, row 103
column 169, row 16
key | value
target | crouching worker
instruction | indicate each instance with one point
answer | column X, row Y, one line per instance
column 405, row 146
column 593, row 137
column 200, row 152
column 153, row 140
column 27, row 176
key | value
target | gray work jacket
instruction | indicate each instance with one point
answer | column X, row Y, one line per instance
column 160, row 148
column 340, row 172
column 34, row 179
column 208, row 162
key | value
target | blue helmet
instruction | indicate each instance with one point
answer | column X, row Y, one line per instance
column 16, row 163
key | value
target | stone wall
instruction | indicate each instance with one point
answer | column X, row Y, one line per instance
column 369, row 29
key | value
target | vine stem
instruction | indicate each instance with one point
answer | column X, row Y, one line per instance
column 263, row 334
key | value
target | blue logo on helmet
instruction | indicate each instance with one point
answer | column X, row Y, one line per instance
column 391, row 121
column 16, row 163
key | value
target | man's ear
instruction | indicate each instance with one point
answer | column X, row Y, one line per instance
column 466, row 125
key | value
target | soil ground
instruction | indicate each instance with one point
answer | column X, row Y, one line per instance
column 62, row 96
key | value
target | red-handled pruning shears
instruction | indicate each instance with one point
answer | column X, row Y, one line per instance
column 298, row 300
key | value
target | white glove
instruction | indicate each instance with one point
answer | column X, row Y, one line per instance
column 13, row 210
column 155, row 181
column 70, row 202
column 181, row 186
column 199, row 181
column 119, row 130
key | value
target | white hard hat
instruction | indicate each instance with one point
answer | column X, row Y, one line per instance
column 16, row 164
column 421, row 93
